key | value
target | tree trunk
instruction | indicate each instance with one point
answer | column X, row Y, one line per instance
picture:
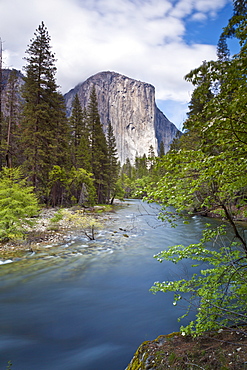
column 83, row 195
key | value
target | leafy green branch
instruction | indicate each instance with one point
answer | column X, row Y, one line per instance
column 218, row 292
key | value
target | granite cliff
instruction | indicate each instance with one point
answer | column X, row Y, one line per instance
column 130, row 106
column 12, row 81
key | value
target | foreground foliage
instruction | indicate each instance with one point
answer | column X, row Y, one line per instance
column 17, row 204
column 218, row 293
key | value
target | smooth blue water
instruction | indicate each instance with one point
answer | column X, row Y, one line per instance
column 86, row 305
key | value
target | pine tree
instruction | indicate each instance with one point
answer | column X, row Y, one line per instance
column 237, row 23
column 201, row 97
column 80, row 148
column 76, row 123
column 223, row 52
column 203, row 92
column 98, row 146
column 141, row 166
column 113, row 168
column 44, row 124
column 84, row 154
column 151, row 158
column 81, row 156
column 162, row 149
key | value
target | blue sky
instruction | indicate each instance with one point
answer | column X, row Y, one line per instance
column 205, row 32
column 155, row 41
column 208, row 31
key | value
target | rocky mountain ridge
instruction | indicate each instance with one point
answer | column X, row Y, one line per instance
column 130, row 106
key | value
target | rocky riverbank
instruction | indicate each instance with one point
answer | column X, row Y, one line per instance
column 225, row 349
column 56, row 226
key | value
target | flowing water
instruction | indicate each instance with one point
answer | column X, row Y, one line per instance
column 86, row 305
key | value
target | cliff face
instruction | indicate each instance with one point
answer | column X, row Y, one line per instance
column 130, row 106
column 12, row 81
column 164, row 130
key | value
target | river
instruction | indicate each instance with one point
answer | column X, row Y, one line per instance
column 86, row 305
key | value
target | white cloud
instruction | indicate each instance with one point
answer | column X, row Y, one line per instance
column 199, row 17
column 143, row 39
column 184, row 8
column 209, row 5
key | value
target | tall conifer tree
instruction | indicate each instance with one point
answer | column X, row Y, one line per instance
column 80, row 149
column 99, row 152
column 44, row 124
column 113, row 167
column 162, row 149
column 223, row 52
column 76, row 122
